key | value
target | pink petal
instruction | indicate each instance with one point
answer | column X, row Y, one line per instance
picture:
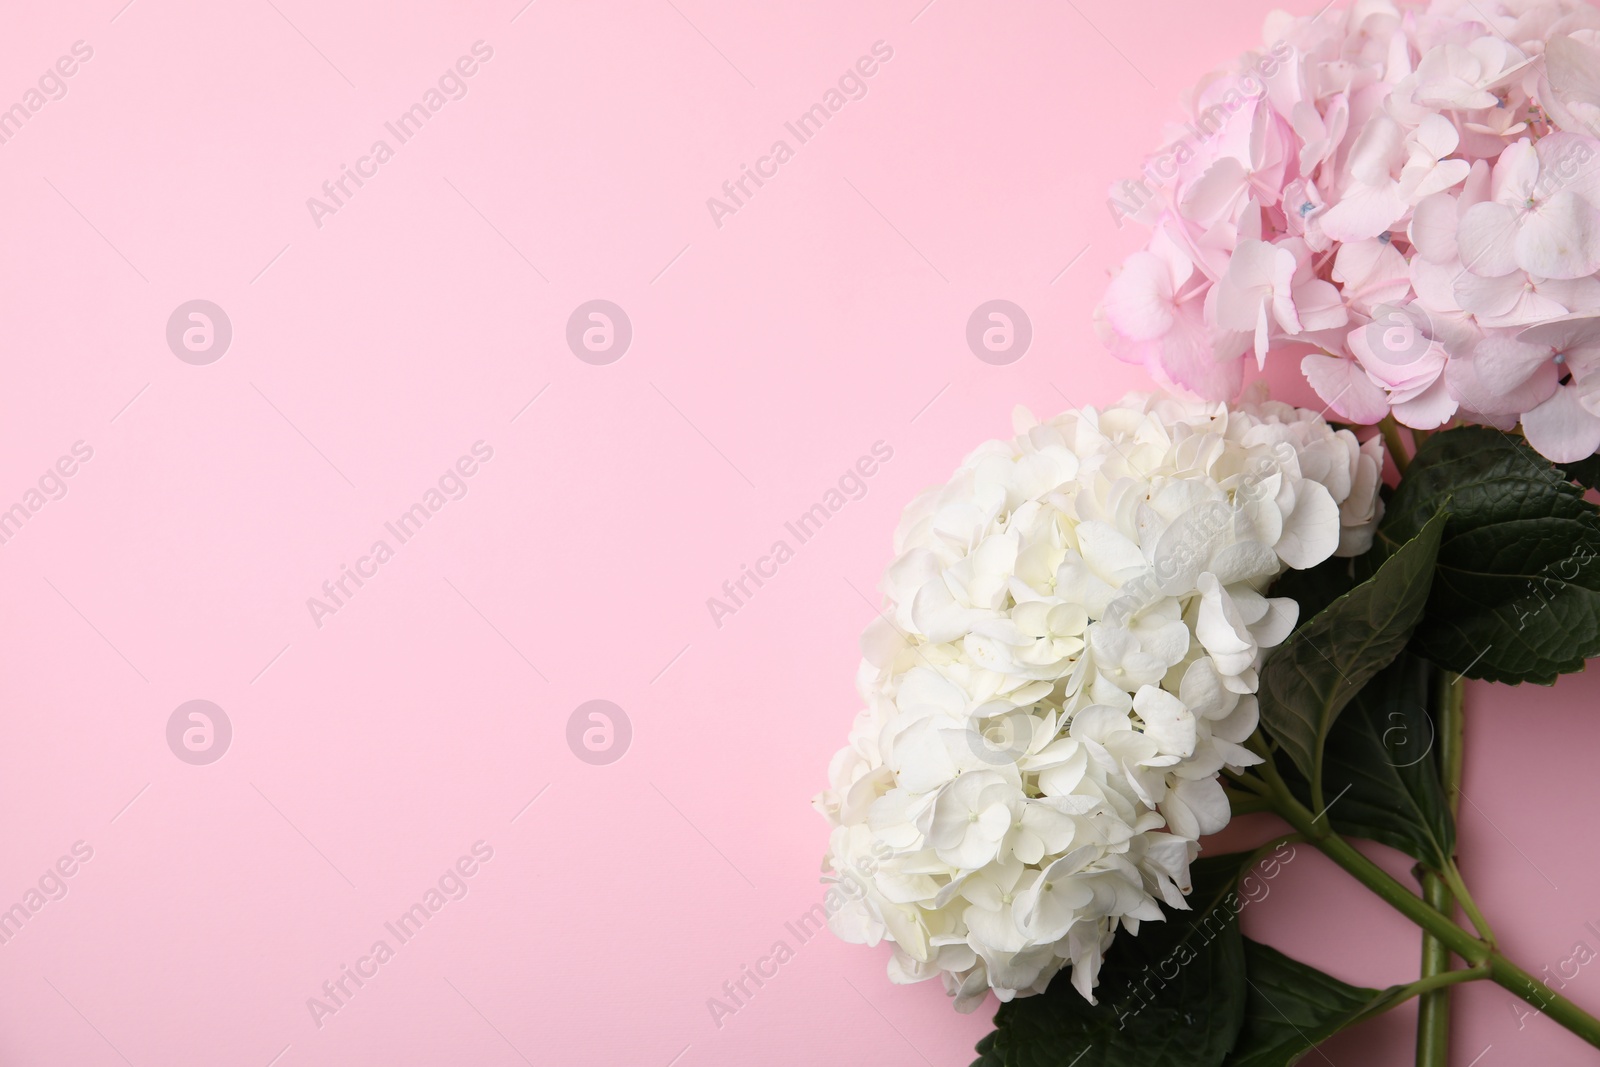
column 1502, row 377
column 1588, row 389
column 1186, row 356
column 1560, row 238
column 1576, row 336
column 1573, row 70
column 1214, row 193
column 1373, row 272
column 1487, row 296
column 1170, row 251
column 1433, row 227
column 1561, row 430
column 1569, row 161
column 1319, row 306
column 1313, row 132
column 1447, row 174
column 1438, row 137
column 1345, row 388
column 1366, row 211
column 1377, row 149
column 1263, row 337
column 1487, row 238
column 1434, row 284
column 1516, row 173
column 1449, row 76
column 1574, row 293
column 1397, row 350
column 1429, row 411
column 1283, row 295
column 1138, row 302
column 1504, row 363
column 1533, row 304
column 1249, row 278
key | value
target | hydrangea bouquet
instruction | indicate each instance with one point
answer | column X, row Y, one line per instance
column 1106, row 636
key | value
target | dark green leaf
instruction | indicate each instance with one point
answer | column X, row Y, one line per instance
column 1292, row 1007
column 1586, row 472
column 1380, row 768
column 987, row 1054
column 1173, row 996
column 1319, row 586
column 1308, row 679
column 1517, row 594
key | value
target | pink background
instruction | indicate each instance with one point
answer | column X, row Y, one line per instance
column 371, row 752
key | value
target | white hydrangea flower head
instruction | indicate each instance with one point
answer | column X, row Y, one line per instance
column 1065, row 661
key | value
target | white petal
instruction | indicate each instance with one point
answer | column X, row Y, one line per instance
column 1167, row 721
column 1311, row 531
column 1208, row 802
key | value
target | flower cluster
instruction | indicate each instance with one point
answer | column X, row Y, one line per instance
column 1066, row 660
column 1406, row 198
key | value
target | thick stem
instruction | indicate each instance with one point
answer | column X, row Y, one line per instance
column 1452, row 725
column 1262, row 851
column 1501, row 970
column 1380, row 882
column 1240, row 803
column 1507, row 974
column 1397, row 444
column 1433, row 1010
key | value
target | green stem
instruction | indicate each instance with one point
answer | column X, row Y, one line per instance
column 1424, row 986
column 1501, row 970
column 1561, row 1010
column 1397, row 445
column 1442, row 981
column 1433, row 1010
column 1257, row 854
column 1245, row 780
column 1246, row 803
column 1452, row 701
column 1458, row 889
column 1380, row 882
column 1270, row 847
column 1441, row 890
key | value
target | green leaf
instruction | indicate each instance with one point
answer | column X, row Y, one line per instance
column 988, row 1055
column 1174, row 996
column 1317, row 587
column 1517, row 594
column 1292, row 1008
column 1307, row 680
column 1380, row 768
column 1586, row 472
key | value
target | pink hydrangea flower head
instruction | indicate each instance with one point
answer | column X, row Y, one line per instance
column 1405, row 200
